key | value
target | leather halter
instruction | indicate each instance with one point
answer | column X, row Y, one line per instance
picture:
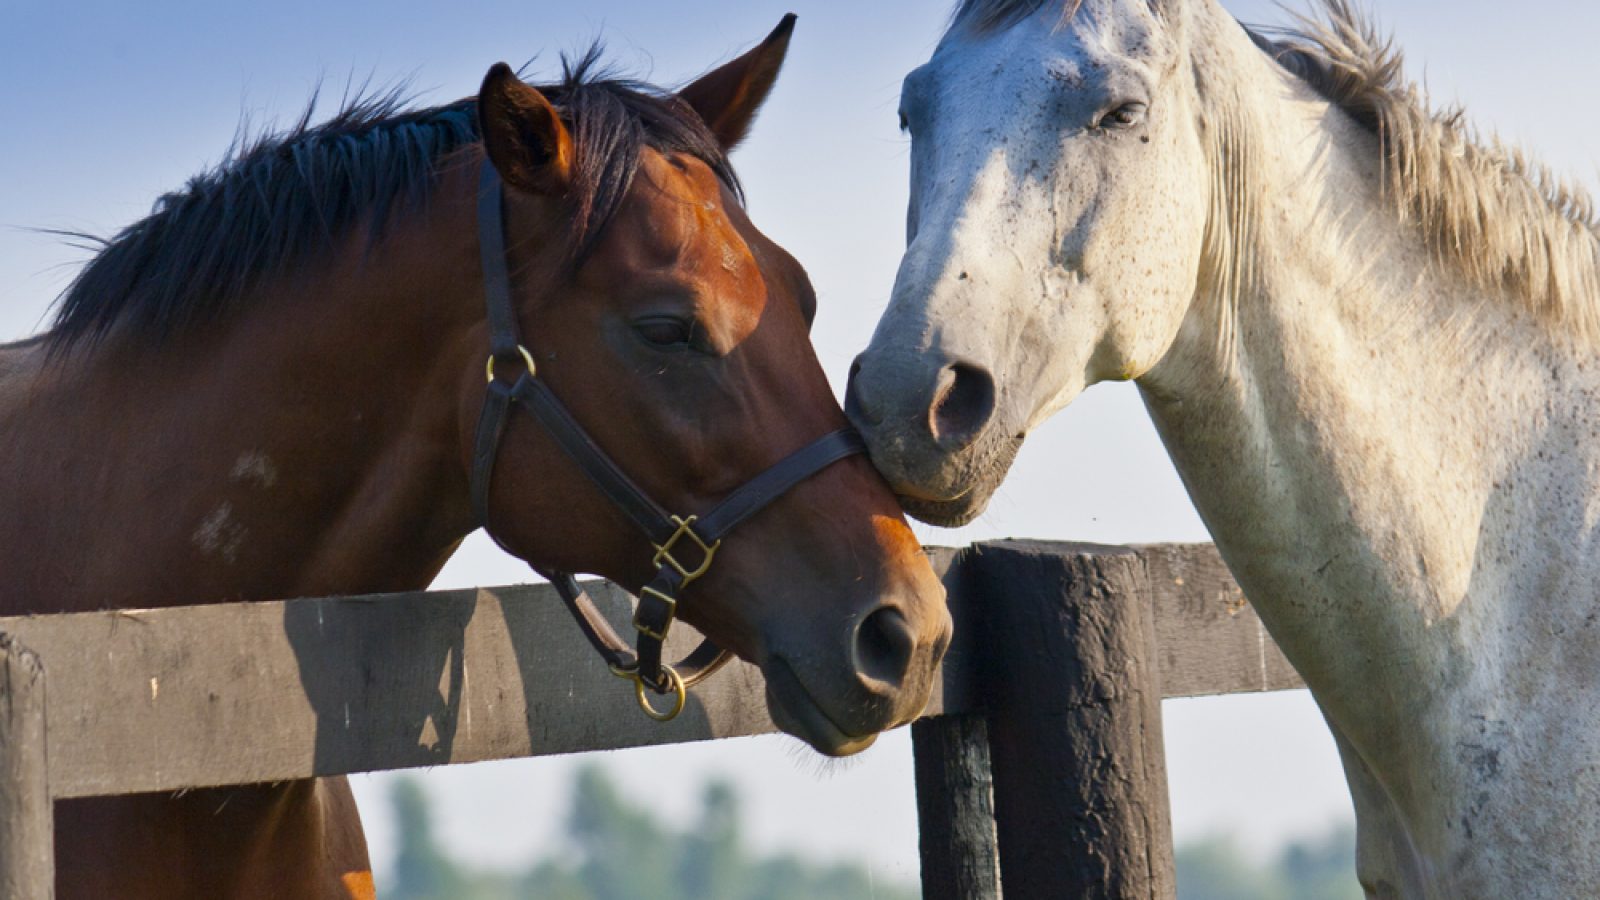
column 668, row 534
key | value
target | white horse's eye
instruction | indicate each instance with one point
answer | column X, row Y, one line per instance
column 1124, row 116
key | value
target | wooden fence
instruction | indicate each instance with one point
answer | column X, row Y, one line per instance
column 1039, row 762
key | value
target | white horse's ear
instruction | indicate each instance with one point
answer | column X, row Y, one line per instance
column 728, row 96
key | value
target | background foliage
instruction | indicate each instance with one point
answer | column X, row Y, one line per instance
column 614, row 849
column 1215, row 868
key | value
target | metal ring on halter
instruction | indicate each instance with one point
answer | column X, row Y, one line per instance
column 527, row 359
column 680, row 692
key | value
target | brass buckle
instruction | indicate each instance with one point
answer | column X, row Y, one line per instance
column 672, row 613
column 527, row 359
column 680, row 692
column 664, row 551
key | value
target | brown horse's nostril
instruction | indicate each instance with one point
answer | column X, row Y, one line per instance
column 884, row 646
column 963, row 402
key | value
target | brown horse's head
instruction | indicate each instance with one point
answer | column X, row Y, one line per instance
column 677, row 335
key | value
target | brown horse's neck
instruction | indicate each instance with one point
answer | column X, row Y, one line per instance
column 309, row 444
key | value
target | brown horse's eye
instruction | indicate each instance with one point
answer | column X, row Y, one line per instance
column 665, row 331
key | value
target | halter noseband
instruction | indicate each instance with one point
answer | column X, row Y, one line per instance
column 669, row 534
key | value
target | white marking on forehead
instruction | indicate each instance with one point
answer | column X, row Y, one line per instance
column 219, row 534
column 255, row 467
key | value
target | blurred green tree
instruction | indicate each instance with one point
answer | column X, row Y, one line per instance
column 422, row 871
column 625, row 854
column 1214, row 868
column 613, row 850
column 711, row 862
column 616, row 851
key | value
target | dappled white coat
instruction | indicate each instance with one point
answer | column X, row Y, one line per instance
column 1378, row 381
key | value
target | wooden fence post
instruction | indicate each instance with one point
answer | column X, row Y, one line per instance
column 1070, row 684
column 27, row 833
column 955, row 792
column 955, row 808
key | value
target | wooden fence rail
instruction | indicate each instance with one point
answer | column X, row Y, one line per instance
column 1058, row 647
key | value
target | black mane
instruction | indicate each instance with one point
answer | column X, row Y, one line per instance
column 281, row 200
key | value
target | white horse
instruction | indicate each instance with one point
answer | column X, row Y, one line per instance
column 1370, row 342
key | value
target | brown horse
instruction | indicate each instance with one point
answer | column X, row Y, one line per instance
column 270, row 386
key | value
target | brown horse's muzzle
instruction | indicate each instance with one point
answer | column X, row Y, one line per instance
column 876, row 673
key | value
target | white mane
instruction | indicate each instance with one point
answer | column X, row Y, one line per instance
column 1503, row 219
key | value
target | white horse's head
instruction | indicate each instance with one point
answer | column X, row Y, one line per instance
column 1059, row 198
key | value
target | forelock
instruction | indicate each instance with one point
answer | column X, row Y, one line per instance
column 983, row 16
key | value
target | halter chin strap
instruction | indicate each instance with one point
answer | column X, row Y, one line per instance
column 685, row 546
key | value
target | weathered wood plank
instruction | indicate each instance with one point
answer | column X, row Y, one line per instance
column 27, row 838
column 1073, row 700
column 1208, row 638
column 145, row 700
column 163, row 699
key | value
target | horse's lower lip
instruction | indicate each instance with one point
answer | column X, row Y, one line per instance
column 945, row 514
column 912, row 492
column 794, row 711
column 984, row 470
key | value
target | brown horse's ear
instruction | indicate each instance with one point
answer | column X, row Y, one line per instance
column 728, row 96
column 523, row 134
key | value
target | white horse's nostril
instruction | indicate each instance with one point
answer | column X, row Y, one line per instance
column 963, row 404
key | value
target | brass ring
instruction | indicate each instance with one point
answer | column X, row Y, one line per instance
column 527, row 359
column 680, row 696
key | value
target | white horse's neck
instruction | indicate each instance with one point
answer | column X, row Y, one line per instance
column 1403, row 474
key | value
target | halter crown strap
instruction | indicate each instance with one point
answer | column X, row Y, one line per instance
column 670, row 535
column 504, row 338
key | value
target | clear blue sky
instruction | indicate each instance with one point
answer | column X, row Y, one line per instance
column 105, row 105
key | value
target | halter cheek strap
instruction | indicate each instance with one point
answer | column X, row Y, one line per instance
column 685, row 546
